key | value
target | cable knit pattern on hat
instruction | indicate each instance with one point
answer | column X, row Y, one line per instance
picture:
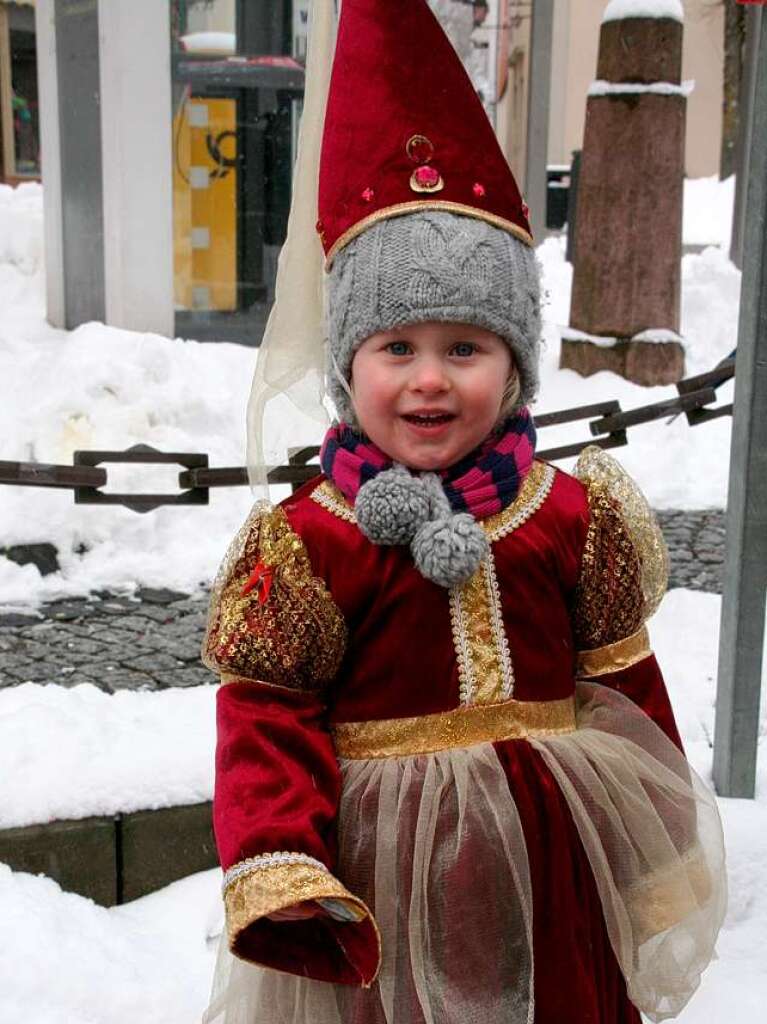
column 434, row 266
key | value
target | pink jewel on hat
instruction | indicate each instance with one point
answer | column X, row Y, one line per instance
column 368, row 195
column 478, row 189
column 426, row 179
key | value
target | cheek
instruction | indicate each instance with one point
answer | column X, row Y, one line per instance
column 369, row 394
column 487, row 394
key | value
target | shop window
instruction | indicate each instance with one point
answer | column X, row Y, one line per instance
column 237, row 92
column 20, row 145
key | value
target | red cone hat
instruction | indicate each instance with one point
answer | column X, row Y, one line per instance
column 405, row 130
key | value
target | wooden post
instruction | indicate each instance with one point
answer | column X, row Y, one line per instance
column 7, row 142
column 741, row 642
column 538, row 95
column 628, row 246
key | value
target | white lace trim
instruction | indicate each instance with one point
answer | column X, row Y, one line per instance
column 499, row 632
column 324, row 496
column 523, row 513
column 461, row 643
column 267, row 860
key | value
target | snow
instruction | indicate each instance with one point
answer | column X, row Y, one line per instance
column 616, row 10
column 68, row 961
column 602, row 88
column 73, row 752
column 210, row 42
column 653, row 336
column 707, row 214
column 103, row 388
column 657, row 335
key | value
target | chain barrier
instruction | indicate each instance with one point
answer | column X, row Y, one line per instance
column 608, row 424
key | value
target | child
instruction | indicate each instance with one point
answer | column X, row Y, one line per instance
column 449, row 783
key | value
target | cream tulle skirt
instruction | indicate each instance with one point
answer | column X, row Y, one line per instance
column 434, row 845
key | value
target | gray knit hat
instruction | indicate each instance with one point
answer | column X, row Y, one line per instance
column 433, row 266
column 410, row 269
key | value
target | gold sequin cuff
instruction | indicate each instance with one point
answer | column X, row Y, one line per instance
column 614, row 657
column 252, row 895
column 461, row 727
column 664, row 898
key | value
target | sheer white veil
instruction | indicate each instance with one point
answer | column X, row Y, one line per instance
column 287, row 401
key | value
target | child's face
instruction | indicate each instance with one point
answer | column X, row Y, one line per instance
column 427, row 394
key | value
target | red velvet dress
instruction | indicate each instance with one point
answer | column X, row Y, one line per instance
column 353, row 683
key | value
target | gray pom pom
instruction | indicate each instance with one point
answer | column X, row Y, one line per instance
column 448, row 550
column 392, row 506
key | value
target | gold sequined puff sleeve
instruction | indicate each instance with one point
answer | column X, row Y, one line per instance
column 276, row 638
column 623, row 577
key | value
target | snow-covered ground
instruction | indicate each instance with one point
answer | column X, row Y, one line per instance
column 100, row 387
column 67, row 961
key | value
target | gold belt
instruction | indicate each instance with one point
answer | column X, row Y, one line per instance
column 461, row 727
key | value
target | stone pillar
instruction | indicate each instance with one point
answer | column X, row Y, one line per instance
column 625, row 306
column 105, row 132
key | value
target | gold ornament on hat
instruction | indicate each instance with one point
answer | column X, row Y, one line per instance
column 424, row 178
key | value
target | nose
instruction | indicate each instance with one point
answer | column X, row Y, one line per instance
column 429, row 376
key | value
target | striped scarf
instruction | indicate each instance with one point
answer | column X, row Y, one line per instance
column 482, row 483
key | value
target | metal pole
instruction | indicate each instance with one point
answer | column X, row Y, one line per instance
column 753, row 16
column 745, row 572
column 538, row 95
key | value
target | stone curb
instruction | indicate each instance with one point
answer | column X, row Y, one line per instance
column 113, row 860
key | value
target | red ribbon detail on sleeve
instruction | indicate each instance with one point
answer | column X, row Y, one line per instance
column 260, row 579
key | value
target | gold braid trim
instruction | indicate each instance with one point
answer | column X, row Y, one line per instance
column 614, row 657
column 485, row 669
column 290, row 633
column 256, row 894
column 461, row 727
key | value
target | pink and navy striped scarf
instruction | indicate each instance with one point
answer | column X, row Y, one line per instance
column 483, row 482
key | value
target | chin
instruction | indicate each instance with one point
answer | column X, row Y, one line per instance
column 427, row 462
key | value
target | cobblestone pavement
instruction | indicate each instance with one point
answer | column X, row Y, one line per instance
column 153, row 641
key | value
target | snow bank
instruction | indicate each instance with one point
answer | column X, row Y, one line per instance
column 708, row 204
column 21, row 227
column 80, row 752
column 616, row 10
column 100, row 387
column 67, row 961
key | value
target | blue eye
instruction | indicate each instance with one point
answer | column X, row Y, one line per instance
column 465, row 349
column 398, row 348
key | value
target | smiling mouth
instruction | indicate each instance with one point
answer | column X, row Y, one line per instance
column 429, row 419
